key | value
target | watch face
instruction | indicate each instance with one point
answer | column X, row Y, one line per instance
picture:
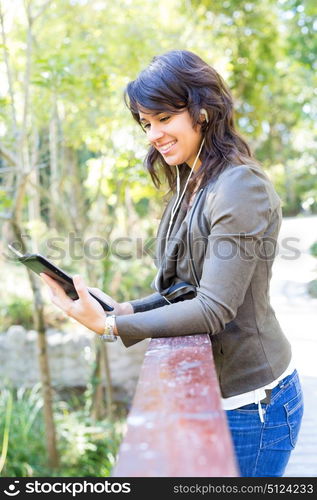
column 109, row 338
column 110, row 325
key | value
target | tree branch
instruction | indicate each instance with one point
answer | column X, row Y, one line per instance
column 41, row 10
column 8, row 156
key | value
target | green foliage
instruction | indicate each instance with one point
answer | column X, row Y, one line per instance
column 296, row 185
column 26, row 443
column 86, row 448
column 5, row 201
column 312, row 288
column 313, row 249
column 84, row 53
column 270, row 52
column 16, row 310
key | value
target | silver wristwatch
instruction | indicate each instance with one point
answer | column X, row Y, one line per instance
column 108, row 335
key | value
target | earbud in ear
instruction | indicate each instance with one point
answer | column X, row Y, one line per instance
column 204, row 112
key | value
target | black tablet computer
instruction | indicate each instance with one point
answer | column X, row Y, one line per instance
column 40, row 264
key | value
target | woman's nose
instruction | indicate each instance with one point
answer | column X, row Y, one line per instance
column 154, row 133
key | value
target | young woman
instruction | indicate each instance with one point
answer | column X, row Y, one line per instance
column 215, row 249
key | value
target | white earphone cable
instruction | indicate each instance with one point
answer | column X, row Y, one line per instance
column 179, row 198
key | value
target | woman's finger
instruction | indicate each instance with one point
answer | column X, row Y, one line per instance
column 49, row 281
column 81, row 288
column 53, row 284
column 57, row 293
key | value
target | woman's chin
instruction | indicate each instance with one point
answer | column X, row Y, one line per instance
column 172, row 161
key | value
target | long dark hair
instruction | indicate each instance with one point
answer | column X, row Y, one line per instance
column 180, row 79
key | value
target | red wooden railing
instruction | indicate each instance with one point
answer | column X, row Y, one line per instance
column 176, row 426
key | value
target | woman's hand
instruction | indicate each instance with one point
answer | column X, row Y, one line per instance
column 86, row 310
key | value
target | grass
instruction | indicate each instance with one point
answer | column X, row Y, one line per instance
column 86, row 448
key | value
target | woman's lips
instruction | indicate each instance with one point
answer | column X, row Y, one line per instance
column 167, row 147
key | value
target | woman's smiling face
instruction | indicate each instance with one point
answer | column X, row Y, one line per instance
column 173, row 135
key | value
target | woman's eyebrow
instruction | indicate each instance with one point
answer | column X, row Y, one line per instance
column 155, row 113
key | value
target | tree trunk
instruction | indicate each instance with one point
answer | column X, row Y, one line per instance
column 26, row 161
column 53, row 147
column 107, row 382
column 100, row 401
column 53, row 459
column 102, row 388
column 289, row 187
column 39, row 324
column 97, row 411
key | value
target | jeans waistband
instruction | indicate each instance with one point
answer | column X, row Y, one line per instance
column 285, row 382
column 287, row 379
column 280, row 385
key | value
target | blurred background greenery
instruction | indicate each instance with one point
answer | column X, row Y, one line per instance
column 71, row 176
column 86, row 447
column 64, row 125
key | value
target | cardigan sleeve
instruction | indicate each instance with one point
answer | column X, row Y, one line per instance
column 239, row 216
column 152, row 301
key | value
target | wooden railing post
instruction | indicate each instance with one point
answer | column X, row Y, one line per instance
column 176, row 426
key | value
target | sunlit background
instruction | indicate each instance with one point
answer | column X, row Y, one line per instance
column 72, row 183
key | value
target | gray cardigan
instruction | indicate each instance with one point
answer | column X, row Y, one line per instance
column 224, row 248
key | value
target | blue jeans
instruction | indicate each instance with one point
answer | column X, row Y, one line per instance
column 263, row 449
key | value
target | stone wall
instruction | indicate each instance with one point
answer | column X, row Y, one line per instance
column 71, row 359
